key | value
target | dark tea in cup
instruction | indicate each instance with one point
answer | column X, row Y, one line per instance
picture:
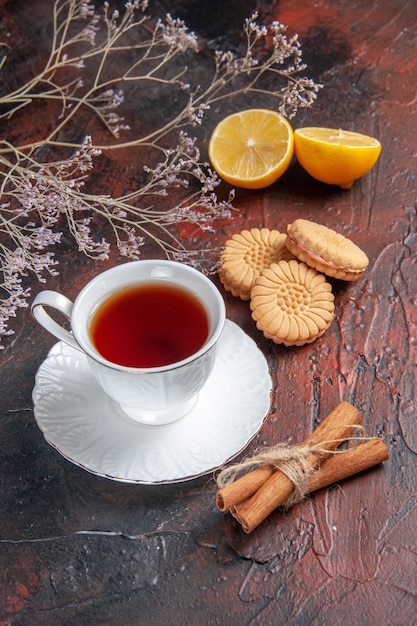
column 150, row 324
column 149, row 330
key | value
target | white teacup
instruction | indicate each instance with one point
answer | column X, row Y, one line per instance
column 151, row 395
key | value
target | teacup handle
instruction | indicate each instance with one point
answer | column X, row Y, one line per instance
column 60, row 303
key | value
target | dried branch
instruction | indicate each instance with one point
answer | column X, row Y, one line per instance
column 95, row 56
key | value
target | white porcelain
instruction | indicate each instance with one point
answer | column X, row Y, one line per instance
column 155, row 395
column 88, row 428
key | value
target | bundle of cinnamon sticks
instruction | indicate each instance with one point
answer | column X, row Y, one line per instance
column 253, row 496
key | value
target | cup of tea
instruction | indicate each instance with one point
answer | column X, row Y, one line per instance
column 149, row 330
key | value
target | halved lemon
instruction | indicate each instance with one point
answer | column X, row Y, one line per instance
column 252, row 148
column 335, row 156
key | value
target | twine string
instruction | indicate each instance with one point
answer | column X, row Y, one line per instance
column 291, row 460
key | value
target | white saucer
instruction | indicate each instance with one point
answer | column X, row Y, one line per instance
column 88, row 428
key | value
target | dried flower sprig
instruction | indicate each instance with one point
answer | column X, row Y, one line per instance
column 94, row 57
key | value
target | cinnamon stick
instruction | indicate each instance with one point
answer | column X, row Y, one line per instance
column 352, row 461
column 342, row 465
column 243, row 487
column 339, row 424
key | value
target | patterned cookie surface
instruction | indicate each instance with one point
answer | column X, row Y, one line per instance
column 246, row 254
column 326, row 250
column 292, row 303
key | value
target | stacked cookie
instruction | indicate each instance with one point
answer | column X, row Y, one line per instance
column 326, row 250
column 283, row 277
column 247, row 254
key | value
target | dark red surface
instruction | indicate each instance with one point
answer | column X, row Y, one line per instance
column 78, row 549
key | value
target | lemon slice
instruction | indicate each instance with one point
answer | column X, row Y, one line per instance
column 252, row 148
column 335, row 156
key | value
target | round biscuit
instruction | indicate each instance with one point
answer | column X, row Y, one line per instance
column 292, row 303
column 246, row 254
column 326, row 250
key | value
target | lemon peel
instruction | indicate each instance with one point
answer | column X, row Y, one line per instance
column 335, row 156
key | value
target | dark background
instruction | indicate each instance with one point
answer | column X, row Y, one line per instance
column 79, row 549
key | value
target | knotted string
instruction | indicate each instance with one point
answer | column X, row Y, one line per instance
column 290, row 460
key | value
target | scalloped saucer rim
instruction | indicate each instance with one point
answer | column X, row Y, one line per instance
column 88, row 429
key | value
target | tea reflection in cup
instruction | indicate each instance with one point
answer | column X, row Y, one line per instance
column 154, row 368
